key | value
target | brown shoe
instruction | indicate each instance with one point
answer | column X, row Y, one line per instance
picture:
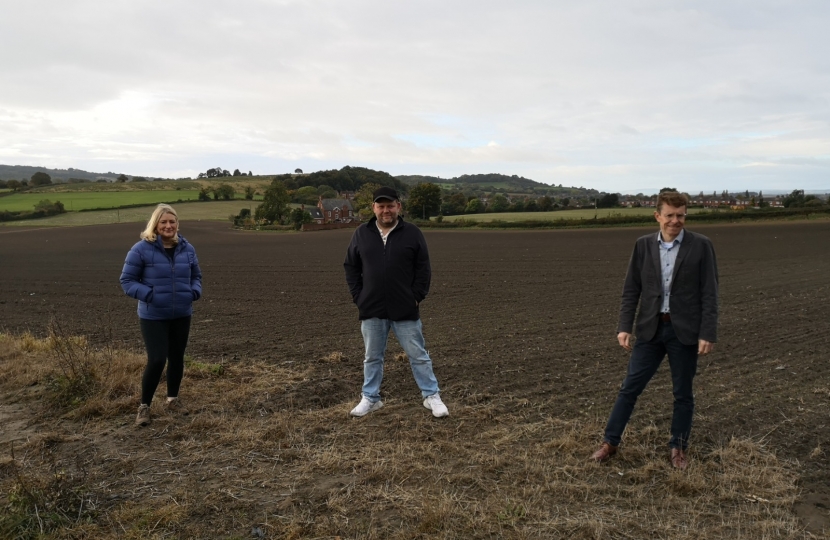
column 605, row 451
column 678, row 459
column 175, row 407
column 143, row 416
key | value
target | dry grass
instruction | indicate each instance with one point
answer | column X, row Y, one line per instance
column 249, row 461
column 334, row 357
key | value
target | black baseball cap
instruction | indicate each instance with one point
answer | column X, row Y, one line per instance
column 385, row 193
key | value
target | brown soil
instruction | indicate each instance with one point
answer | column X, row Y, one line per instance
column 527, row 315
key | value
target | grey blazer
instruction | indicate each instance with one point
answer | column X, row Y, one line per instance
column 694, row 290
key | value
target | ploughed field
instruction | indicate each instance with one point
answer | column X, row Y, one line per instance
column 524, row 320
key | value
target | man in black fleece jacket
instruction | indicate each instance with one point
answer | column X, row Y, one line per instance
column 388, row 273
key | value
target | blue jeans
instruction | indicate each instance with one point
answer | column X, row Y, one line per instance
column 411, row 337
column 645, row 359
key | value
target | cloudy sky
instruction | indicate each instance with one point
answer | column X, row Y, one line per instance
column 617, row 95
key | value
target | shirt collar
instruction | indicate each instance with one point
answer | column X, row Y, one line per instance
column 390, row 230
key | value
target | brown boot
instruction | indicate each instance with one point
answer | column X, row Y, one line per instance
column 679, row 459
column 143, row 416
column 604, row 453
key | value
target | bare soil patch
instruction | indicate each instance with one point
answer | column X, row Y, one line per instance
column 521, row 329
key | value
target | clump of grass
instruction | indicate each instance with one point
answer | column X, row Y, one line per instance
column 512, row 512
column 334, row 357
column 41, row 502
column 29, row 343
column 138, row 521
column 204, row 368
column 79, row 379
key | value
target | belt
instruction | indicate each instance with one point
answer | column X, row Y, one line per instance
column 665, row 317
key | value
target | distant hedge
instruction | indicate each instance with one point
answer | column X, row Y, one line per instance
column 43, row 209
column 124, row 206
column 703, row 217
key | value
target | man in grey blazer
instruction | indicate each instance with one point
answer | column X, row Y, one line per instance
column 673, row 276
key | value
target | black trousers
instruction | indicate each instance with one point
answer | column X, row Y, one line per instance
column 645, row 359
column 165, row 342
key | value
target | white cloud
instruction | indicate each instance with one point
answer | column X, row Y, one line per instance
column 603, row 94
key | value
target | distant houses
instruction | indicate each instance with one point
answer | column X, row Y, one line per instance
column 336, row 211
column 316, row 213
column 333, row 210
column 724, row 201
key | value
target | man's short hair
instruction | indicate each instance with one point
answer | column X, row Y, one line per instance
column 672, row 198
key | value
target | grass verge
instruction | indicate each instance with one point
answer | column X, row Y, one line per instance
column 255, row 459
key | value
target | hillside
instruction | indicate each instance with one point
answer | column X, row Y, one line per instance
column 493, row 179
column 346, row 179
column 498, row 182
column 25, row 172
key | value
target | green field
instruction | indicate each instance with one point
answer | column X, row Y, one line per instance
column 88, row 187
column 238, row 182
column 191, row 211
column 581, row 213
column 79, row 200
column 74, row 201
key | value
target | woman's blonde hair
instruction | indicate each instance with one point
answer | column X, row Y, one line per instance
column 149, row 232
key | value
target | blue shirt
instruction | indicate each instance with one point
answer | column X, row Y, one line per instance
column 668, row 255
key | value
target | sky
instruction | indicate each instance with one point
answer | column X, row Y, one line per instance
column 616, row 95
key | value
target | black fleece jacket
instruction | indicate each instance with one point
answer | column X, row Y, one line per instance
column 388, row 282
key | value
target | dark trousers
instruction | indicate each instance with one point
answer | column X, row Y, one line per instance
column 645, row 359
column 165, row 342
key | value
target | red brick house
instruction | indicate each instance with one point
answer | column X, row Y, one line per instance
column 337, row 210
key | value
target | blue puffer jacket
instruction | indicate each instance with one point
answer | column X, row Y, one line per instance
column 165, row 288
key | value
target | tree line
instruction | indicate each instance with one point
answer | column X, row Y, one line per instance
column 219, row 172
column 428, row 199
column 38, row 179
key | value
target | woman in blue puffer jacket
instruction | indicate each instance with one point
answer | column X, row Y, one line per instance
column 162, row 273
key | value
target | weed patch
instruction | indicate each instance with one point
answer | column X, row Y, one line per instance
column 43, row 500
column 204, row 368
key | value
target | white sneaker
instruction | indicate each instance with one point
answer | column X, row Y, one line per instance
column 434, row 403
column 365, row 407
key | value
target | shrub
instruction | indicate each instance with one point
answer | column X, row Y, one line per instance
column 243, row 218
column 224, row 191
column 299, row 217
column 76, row 360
